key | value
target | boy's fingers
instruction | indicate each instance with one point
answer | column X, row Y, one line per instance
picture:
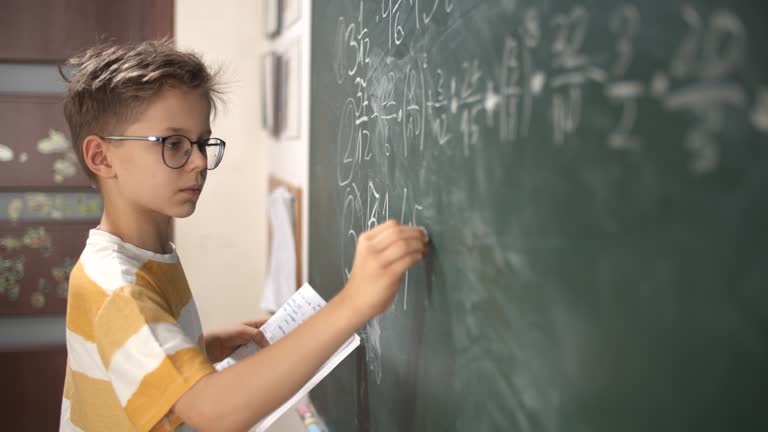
column 251, row 334
column 378, row 230
column 401, row 248
column 425, row 234
column 256, row 323
column 385, row 240
column 260, row 339
column 403, row 264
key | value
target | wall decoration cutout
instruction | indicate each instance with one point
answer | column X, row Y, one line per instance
column 61, row 277
column 44, row 206
column 38, row 238
column 11, row 272
column 9, row 244
column 35, row 148
column 36, row 261
column 14, row 208
column 6, row 153
column 57, row 143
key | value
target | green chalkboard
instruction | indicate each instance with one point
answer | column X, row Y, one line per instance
column 594, row 176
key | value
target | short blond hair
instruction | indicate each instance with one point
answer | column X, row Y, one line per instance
column 108, row 85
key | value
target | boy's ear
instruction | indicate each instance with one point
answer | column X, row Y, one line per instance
column 96, row 157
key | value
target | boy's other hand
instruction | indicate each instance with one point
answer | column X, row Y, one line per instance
column 383, row 255
column 220, row 344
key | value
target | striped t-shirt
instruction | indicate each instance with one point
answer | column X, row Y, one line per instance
column 134, row 339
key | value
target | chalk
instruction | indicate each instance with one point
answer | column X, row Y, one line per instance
column 424, row 230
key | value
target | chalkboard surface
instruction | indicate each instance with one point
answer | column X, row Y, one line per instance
column 594, row 176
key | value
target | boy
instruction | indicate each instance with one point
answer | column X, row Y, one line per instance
column 137, row 359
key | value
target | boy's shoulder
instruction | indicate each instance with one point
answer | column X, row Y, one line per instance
column 112, row 263
column 111, row 271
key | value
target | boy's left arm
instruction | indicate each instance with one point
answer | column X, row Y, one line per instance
column 220, row 344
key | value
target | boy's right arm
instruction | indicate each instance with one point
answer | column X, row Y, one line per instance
column 239, row 396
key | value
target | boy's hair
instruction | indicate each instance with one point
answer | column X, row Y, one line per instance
column 109, row 85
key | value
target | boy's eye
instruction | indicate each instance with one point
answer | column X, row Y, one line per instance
column 175, row 143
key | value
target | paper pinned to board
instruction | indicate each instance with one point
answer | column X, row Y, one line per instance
column 300, row 306
column 281, row 280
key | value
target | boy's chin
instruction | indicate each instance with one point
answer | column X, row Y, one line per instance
column 183, row 212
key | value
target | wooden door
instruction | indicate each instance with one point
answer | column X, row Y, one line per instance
column 46, row 202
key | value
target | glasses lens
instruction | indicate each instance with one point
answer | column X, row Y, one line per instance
column 214, row 151
column 176, row 150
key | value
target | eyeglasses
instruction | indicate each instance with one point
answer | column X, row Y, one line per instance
column 177, row 149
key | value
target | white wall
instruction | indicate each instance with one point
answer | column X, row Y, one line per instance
column 289, row 158
column 223, row 245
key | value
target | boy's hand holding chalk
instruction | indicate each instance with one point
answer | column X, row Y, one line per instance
column 383, row 255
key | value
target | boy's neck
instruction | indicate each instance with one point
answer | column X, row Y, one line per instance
column 146, row 230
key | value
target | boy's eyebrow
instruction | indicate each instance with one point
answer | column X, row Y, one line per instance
column 183, row 131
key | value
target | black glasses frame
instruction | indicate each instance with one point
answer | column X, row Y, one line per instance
column 201, row 145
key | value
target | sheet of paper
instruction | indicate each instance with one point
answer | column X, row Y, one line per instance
column 281, row 279
column 302, row 304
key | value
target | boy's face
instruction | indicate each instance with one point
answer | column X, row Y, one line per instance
column 142, row 177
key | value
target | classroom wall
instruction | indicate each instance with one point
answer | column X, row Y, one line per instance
column 223, row 245
column 289, row 158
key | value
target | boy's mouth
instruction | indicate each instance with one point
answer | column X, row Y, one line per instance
column 193, row 190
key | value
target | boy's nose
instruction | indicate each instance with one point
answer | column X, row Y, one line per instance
column 197, row 160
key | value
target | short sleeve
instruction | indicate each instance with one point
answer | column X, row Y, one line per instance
column 148, row 358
